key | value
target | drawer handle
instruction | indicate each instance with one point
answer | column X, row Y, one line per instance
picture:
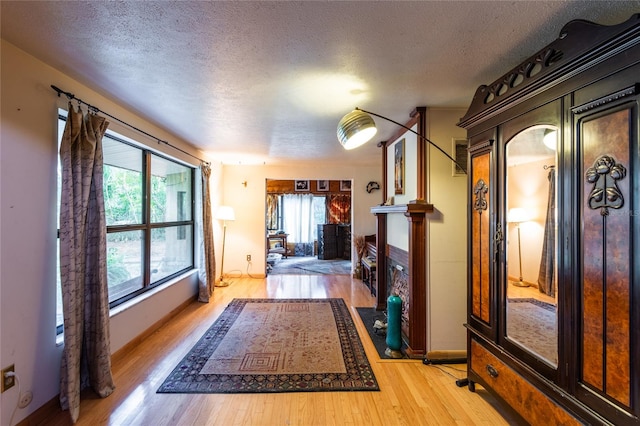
column 492, row 371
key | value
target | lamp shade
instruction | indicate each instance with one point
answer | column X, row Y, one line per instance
column 225, row 213
column 517, row 215
column 355, row 129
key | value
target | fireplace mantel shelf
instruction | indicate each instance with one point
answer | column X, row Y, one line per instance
column 415, row 206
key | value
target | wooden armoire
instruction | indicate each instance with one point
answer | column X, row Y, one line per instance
column 554, row 230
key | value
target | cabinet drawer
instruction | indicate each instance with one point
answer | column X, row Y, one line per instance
column 521, row 395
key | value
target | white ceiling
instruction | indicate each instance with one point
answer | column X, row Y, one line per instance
column 267, row 82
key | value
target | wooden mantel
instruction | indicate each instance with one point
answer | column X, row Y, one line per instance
column 415, row 212
column 414, row 207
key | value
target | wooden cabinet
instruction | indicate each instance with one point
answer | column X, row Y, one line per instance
column 327, row 241
column 334, row 241
column 482, row 231
column 343, row 241
column 554, row 230
column 539, row 409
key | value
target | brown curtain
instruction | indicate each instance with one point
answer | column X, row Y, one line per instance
column 546, row 279
column 272, row 210
column 339, row 208
column 208, row 257
column 86, row 358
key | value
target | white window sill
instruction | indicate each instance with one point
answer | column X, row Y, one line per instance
column 131, row 303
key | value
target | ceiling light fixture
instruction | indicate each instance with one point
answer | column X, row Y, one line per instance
column 357, row 128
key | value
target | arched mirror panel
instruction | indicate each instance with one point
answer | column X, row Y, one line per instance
column 531, row 242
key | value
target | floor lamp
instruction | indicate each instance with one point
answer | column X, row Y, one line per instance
column 224, row 214
column 357, row 128
column 518, row 215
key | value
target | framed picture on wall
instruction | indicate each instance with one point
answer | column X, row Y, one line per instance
column 398, row 171
column 323, row 185
column 302, row 185
column 345, row 185
column 460, row 155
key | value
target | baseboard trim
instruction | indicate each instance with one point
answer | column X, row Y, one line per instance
column 43, row 413
column 124, row 350
column 446, row 357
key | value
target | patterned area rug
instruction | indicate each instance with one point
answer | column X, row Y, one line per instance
column 532, row 324
column 276, row 345
column 311, row 265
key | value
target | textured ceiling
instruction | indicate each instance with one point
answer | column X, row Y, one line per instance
column 267, row 82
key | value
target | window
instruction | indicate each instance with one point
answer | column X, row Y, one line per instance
column 149, row 238
column 182, row 198
column 301, row 214
column 319, row 214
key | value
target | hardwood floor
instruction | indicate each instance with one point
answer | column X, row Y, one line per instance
column 411, row 393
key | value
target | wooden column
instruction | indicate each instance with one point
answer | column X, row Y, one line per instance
column 417, row 284
column 381, row 261
column 419, row 116
column 383, row 148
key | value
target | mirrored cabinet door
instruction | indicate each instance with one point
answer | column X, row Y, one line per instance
column 531, row 242
column 481, row 295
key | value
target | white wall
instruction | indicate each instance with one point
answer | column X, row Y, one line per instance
column 28, row 160
column 247, row 234
column 528, row 188
column 446, row 236
column 411, row 168
column 397, row 229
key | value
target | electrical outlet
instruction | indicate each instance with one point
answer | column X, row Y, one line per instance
column 8, row 382
column 25, row 399
column 248, row 258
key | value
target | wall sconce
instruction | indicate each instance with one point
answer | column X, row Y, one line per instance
column 357, row 128
column 244, row 183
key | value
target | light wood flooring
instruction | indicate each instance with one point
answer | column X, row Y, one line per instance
column 411, row 393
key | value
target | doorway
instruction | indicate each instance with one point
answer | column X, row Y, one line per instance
column 308, row 226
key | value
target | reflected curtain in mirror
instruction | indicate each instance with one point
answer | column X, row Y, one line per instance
column 546, row 278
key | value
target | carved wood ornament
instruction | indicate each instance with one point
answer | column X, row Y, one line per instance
column 479, row 190
column 605, row 193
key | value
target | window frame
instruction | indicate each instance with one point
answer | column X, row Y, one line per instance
column 146, row 225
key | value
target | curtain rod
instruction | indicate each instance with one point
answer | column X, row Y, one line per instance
column 92, row 108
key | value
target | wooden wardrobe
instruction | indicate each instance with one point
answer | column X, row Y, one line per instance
column 554, row 230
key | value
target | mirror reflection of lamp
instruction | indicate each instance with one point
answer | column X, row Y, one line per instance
column 224, row 214
column 518, row 215
column 550, row 139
